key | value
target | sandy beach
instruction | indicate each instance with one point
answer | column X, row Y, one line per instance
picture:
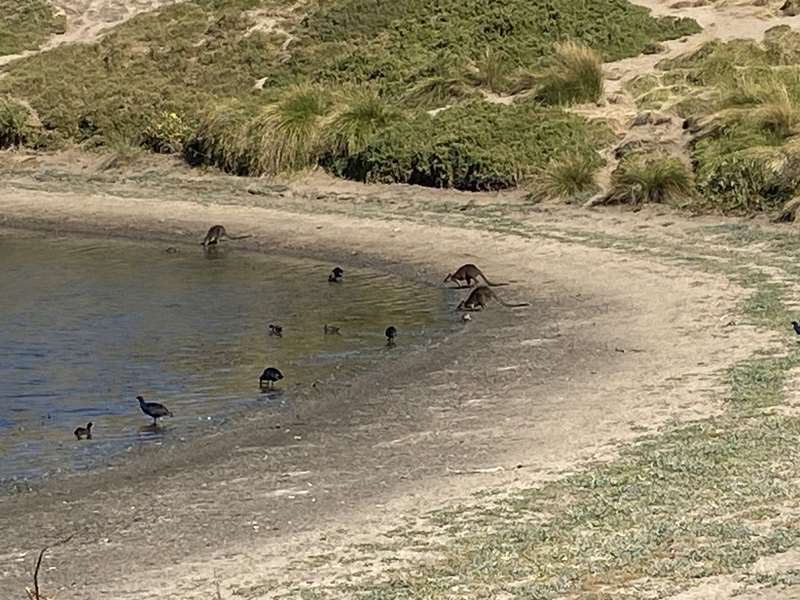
column 614, row 345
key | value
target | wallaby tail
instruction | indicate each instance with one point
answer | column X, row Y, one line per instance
column 238, row 237
column 490, row 283
column 509, row 305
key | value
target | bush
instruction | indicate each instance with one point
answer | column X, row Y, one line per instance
column 566, row 177
column 26, row 24
column 751, row 179
column 575, row 76
column 217, row 139
column 474, row 146
column 641, row 179
column 491, row 71
column 166, row 134
column 15, row 123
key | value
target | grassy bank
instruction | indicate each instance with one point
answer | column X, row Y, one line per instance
column 741, row 100
column 185, row 76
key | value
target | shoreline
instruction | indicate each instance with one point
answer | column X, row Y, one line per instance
column 543, row 388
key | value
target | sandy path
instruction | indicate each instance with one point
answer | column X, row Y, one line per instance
column 542, row 388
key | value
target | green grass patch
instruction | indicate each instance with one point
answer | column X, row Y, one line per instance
column 26, row 25
column 641, row 178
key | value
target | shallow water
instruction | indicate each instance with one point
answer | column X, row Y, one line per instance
column 86, row 325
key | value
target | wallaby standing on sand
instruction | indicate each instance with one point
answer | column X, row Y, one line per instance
column 479, row 298
column 468, row 273
column 217, row 233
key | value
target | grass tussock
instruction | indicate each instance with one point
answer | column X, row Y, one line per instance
column 575, row 76
column 286, row 135
column 492, row 71
column 641, row 179
column 569, row 177
column 360, row 116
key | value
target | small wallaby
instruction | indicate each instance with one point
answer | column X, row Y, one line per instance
column 217, row 233
column 469, row 273
column 479, row 298
column 336, row 275
column 331, row 330
column 275, row 330
column 84, row 432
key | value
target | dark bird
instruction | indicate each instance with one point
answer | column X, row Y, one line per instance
column 330, row 330
column 84, row 432
column 270, row 375
column 796, row 326
column 391, row 333
column 153, row 409
column 336, row 275
column 275, row 330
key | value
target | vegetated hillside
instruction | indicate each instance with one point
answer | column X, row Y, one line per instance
column 26, row 24
column 342, row 84
column 741, row 100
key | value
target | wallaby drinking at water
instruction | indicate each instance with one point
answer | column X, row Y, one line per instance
column 217, row 233
column 468, row 273
column 84, row 432
column 479, row 298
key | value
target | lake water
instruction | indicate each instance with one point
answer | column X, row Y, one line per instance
column 87, row 325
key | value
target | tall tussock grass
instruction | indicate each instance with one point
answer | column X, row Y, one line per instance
column 642, row 179
column 566, row 177
column 286, row 135
column 217, row 138
column 361, row 115
column 575, row 75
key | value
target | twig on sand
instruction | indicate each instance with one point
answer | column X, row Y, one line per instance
column 34, row 594
column 475, row 471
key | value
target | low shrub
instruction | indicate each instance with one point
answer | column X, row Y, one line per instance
column 751, row 179
column 474, row 146
column 26, row 24
column 15, row 123
column 166, row 134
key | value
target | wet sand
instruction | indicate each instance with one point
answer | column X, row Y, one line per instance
column 517, row 396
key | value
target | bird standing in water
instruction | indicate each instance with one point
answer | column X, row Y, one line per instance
column 153, row 409
column 796, row 326
column 336, row 275
column 270, row 375
column 391, row 333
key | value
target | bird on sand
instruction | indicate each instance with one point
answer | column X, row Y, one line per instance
column 796, row 326
column 336, row 275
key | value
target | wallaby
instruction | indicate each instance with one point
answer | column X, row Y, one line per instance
column 479, row 298
column 84, row 432
column 217, row 233
column 469, row 273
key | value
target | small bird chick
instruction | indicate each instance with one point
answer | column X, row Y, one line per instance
column 391, row 333
column 330, row 330
column 275, row 330
column 796, row 327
